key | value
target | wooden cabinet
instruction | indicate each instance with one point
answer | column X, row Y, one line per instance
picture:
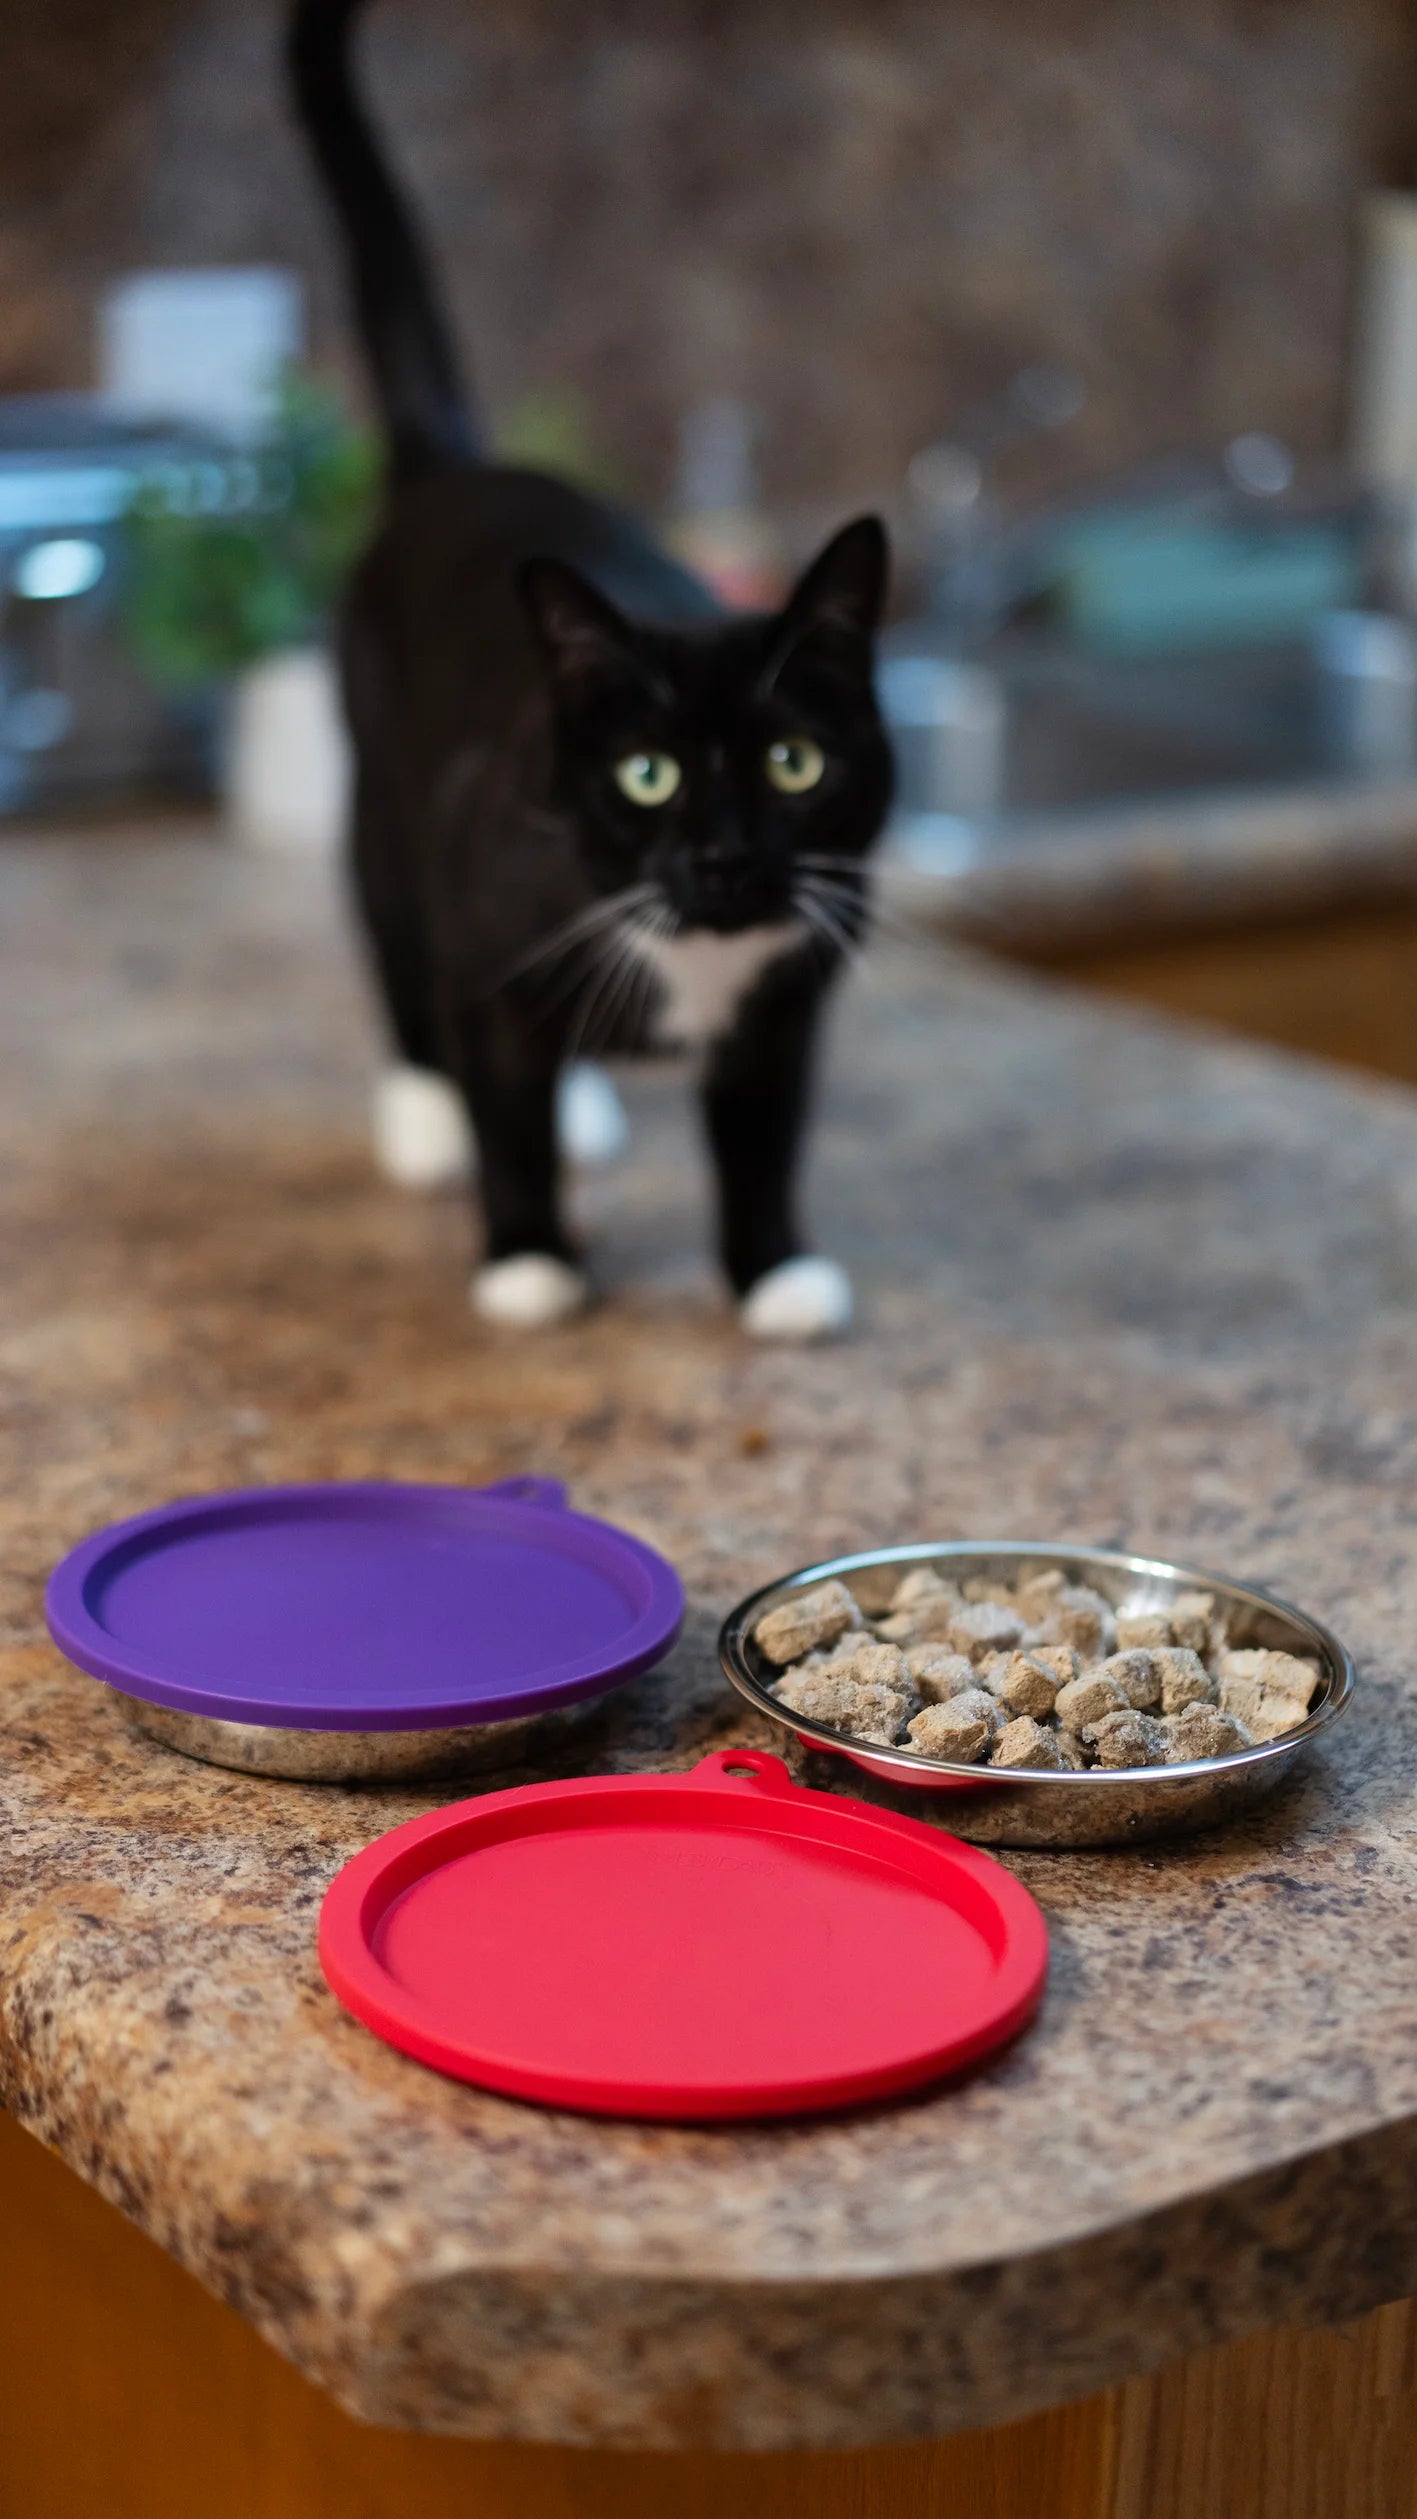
column 127, row 2392
column 1342, row 986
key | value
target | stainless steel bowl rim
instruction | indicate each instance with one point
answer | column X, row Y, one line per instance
column 738, row 1624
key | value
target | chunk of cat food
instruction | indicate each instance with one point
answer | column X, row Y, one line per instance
column 1084, row 1620
column 960, row 1730
column 1039, row 1594
column 793, row 1627
column 864, row 1709
column 1071, row 1751
column 937, row 1673
column 1026, row 1686
column 924, row 1584
column 1127, row 1740
column 1137, row 1676
column 988, row 1587
column 1265, row 1712
column 1285, row 1673
column 1060, row 1659
column 1088, row 1698
column 984, row 1627
column 899, row 1627
column 1191, row 1614
column 843, row 1647
column 924, row 1617
column 920, row 1611
column 879, row 1665
column 1143, row 1627
column 1203, row 1731
column 934, row 1614
column 1024, row 1743
column 1185, row 1681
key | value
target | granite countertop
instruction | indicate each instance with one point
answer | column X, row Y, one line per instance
column 1121, row 1282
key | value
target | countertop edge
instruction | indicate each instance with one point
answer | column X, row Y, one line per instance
column 498, row 2353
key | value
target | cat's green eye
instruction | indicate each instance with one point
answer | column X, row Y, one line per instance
column 648, row 778
column 795, row 764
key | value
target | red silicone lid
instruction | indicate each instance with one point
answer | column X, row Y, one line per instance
column 716, row 1944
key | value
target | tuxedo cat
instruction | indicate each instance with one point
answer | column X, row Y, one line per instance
column 593, row 811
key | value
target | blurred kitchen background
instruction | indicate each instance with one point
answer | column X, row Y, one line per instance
column 1112, row 310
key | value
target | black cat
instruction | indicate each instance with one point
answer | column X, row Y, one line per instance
column 593, row 811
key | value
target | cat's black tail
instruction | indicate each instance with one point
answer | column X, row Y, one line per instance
column 406, row 338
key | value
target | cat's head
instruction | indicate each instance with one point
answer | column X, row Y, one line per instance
column 727, row 763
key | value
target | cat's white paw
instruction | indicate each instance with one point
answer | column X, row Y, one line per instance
column 531, row 1291
column 801, row 1300
column 421, row 1135
column 590, row 1116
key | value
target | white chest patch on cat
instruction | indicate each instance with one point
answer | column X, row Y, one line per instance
column 706, row 977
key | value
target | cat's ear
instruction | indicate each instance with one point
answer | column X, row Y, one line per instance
column 582, row 637
column 839, row 598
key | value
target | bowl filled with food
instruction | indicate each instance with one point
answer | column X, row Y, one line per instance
column 1051, row 1696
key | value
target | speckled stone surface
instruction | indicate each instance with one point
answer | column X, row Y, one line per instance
column 1119, row 1283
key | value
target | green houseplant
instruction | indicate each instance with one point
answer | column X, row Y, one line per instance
column 233, row 564
column 230, row 558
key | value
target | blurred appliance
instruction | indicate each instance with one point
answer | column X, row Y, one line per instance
column 1203, row 625
column 1384, row 398
column 1385, row 366
column 78, row 722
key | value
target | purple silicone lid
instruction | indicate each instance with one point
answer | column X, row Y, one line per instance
column 369, row 1608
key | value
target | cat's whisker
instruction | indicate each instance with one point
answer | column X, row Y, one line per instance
column 619, row 968
column 826, row 917
column 583, row 924
column 838, row 905
column 577, row 976
column 654, row 920
column 639, row 995
column 655, row 924
column 884, row 918
column 838, row 887
column 818, row 930
column 636, row 981
column 600, row 915
column 580, row 969
column 603, row 970
column 820, row 915
column 852, row 907
column 846, row 945
column 842, row 873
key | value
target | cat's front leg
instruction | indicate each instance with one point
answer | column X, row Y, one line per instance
column 529, row 1276
column 756, row 1089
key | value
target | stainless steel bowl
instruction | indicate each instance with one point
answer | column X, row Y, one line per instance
column 1040, row 1807
column 268, row 1749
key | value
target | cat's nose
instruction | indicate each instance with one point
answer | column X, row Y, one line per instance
column 725, row 850
column 731, row 891
column 724, row 874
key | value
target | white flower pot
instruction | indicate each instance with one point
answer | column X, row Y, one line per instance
column 286, row 772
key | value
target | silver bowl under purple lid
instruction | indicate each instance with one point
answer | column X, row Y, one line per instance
column 366, row 1632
